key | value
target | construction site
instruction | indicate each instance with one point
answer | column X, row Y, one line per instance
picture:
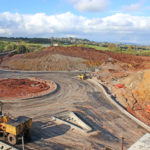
column 78, row 98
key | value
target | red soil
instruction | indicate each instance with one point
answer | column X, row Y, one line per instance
column 13, row 88
column 140, row 113
column 95, row 56
column 136, row 61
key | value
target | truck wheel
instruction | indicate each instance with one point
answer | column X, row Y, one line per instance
column 12, row 139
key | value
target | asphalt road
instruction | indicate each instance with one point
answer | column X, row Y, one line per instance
column 81, row 97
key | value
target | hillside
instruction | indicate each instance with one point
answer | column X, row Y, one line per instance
column 71, row 58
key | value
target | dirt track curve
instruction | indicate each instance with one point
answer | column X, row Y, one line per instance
column 82, row 97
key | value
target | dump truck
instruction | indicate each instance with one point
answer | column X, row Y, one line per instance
column 14, row 129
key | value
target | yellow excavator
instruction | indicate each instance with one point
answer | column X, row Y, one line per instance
column 14, row 129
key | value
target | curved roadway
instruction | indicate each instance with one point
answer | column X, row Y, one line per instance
column 82, row 97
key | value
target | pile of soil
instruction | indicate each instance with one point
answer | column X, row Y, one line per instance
column 96, row 56
column 138, row 62
column 14, row 88
column 89, row 58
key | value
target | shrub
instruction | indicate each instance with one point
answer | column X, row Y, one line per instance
column 21, row 49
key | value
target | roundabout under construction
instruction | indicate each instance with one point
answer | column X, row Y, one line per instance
column 13, row 89
column 106, row 123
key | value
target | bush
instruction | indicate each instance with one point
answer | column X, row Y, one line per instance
column 21, row 49
column 1, row 48
column 10, row 47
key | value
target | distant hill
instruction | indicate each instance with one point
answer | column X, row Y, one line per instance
column 69, row 40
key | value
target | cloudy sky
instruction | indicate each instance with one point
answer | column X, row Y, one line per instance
column 126, row 21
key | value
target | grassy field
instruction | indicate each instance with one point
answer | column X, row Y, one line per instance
column 89, row 46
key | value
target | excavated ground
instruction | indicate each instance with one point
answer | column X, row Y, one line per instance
column 130, row 88
column 115, row 71
column 113, row 67
column 71, row 58
column 81, row 97
column 135, row 94
column 20, row 88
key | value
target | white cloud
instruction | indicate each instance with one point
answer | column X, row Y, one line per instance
column 118, row 27
column 5, row 32
column 132, row 7
column 91, row 5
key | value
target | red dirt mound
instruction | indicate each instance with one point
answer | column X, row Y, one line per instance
column 91, row 56
column 95, row 56
column 13, row 88
column 135, row 61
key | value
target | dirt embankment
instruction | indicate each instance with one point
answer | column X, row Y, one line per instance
column 55, row 59
column 138, row 62
column 71, row 58
column 138, row 87
column 131, row 89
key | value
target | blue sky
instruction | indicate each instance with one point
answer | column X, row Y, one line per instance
column 61, row 6
column 100, row 20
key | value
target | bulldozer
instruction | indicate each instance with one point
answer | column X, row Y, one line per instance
column 14, row 129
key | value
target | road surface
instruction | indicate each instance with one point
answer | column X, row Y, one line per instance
column 81, row 97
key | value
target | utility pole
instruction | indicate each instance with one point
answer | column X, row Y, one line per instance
column 122, row 142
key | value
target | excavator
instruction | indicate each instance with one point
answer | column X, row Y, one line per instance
column 14, row 129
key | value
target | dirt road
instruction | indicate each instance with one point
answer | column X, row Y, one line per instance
column 86, row 100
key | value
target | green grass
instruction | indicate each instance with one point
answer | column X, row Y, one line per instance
column 88, row 46
column 97, row 47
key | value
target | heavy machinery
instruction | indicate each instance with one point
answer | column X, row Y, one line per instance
column 83, row 76
column 14, row 129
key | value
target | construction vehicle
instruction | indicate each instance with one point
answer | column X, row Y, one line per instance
column 14, row 129
column 83, row 76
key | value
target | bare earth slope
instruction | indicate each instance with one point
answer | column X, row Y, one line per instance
column 136, row 94
column 71, row 58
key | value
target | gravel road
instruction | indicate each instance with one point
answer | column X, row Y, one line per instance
column 81, row 97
